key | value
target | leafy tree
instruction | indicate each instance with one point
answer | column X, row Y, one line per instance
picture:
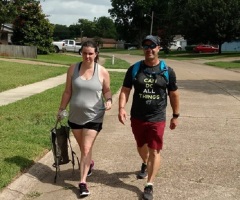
column 7, row 13
column 87, row 27
column 133, row 18
column 8, row 10
column 105, row 28
column 32, row 28
column 75, row 30
column 100, row 27
column 210, row 21
column 61, row 32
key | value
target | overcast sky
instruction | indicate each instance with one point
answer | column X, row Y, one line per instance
column 67, row 12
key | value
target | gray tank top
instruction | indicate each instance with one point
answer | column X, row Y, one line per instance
column 86, row 103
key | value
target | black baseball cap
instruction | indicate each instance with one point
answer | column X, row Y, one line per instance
column 154, row 39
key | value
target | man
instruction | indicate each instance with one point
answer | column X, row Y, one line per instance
column 148, row 111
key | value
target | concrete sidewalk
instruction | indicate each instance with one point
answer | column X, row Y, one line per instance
column 200, row 159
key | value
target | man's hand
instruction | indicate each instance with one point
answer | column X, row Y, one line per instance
column 122, row 115
column 173, row 123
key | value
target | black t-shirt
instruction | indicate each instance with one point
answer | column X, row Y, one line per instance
column 150, row 92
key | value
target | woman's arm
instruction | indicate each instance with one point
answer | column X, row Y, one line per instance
column 106, row 88
column 66, row 96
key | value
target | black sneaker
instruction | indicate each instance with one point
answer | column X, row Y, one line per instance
column 83, row 189
column 90, row 168
column 143, row 173
column 148, row 193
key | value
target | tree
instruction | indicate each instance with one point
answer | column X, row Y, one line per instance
column 7, row 13
column 32, row 28
column 61, row 32
column 87, row 28
column 102, row 27
column 133, row 18
column 75, row 30
column 209, row 21
column 105, row 28
column 8, row 10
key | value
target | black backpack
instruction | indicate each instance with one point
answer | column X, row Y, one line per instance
column 60, row 140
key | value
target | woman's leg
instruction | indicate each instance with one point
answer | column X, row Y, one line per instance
column 85, row 139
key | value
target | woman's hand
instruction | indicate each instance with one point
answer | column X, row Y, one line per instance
column 108, row 104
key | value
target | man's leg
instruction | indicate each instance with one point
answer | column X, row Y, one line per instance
column 153, row 164
column 144, row 153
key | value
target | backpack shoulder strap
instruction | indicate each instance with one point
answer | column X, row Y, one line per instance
column 164, row 68
column 162, row 65
column 135, row 69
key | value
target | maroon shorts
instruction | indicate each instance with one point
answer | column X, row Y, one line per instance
column 150, row 133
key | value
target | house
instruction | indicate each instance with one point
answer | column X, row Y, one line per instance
column 231, row 46
column 105, row 42
column 179, row 40
column 6, row 33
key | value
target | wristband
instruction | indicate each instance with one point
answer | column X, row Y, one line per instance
column 61, row 109
column 175, row 115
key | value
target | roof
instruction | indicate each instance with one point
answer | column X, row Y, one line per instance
column 178, row 38
column 104, row 40
column 8, row 27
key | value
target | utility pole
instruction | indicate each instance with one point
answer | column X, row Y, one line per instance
column 151, row 23
column 81, row 35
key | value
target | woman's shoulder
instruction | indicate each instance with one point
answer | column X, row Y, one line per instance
column 102, row 68
column 72, row 67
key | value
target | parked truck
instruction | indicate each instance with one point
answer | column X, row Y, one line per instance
column 72, row 46
column 59, row 46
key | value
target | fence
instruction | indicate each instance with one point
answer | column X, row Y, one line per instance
column 18, row 51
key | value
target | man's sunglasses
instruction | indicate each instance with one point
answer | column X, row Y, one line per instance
column 151, row 46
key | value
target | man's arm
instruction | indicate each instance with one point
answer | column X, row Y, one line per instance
column 123, row 99
column 174, row 101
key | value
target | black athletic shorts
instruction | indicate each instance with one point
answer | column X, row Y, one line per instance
column 90, row 125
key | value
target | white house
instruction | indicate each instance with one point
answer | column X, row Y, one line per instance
column 231, row 46
column 6, row 34
column 179, row 40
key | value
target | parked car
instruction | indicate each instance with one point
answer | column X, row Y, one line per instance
column 59, row 46
column 205, row 49
column 73, row 46
column 175, row 46
column 132, row 48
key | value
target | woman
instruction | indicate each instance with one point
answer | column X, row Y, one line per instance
column 88, row 93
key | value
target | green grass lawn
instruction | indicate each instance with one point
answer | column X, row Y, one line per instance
column 225, row 65
column 59, row 58
column 14, row 75
column 17, row 74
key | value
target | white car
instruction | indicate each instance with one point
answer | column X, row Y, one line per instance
column 73, row 46
column 175, row 46
column 132, row 48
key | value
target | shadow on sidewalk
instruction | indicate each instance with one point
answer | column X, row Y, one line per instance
column 68, row 178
